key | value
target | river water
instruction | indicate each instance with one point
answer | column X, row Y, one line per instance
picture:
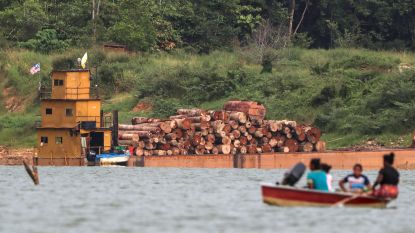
column 115, row 199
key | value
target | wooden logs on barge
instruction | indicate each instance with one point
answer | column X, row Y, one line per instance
column 198, row 132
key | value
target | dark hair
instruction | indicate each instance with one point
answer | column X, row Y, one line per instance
column 358, row 165
column 316, row 163
column 325, row 167
column 389, row 158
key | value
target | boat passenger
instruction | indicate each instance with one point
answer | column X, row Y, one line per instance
column 358, row 183
column 326, row 168
column 316, row 178
column 388, row 179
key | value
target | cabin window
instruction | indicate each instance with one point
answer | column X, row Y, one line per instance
column 48, row 111
column 58, row 140
column 69, row 112
column 58, row 82
column 44, row 139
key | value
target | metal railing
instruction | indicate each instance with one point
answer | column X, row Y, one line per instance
column 71, row 93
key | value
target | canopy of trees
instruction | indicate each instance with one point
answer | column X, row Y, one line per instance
column 202, row 26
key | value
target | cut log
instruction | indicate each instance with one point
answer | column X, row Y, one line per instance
column 139, row 151
column 210, row 138
column 266, row 148
column 248, row 124
column 124, row 136
column 141, row 144
column 128, row 143
column 209, row 146
column 243, row 150
column 220, row 134
column 259, row 133
column 171, row 136
column 226, row 140
column 224, row 149
column 252, row 149
column 321, row 146
column 274, row 126
column 140, row 127
column 204, row 132
column 301, row 137
column 238, row 116
column 220, row 115
column 311, row 137
column 193, row 112
column 316, row 132
column 148, row 153
column 176, row 151
column 141, row 120
column 306, row 147
column 264, row 140
column 273, row 142
column 243, row 140
column 233, row 124
column 242, row 129
column 159, row 152
column 215, row 150
column 183, row 123
column 236, row 133
column 292, row 145
column 164, row 146
column 280, row 140
column 253, row 109
column 141, row 134
column 178, row 132
column 237, row 143
column 227, row 129
column 218, row 125
column 165, row 127
column 252, row 129
column 248, row 137
column 150, row 146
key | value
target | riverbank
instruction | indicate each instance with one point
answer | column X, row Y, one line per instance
column 12, row 157
column 354, row 95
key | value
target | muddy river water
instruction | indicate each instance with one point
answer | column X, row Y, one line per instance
column 114, row 199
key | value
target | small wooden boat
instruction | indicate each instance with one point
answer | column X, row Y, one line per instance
column 290, row 196
column 112, row 159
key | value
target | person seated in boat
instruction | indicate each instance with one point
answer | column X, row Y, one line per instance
column 326, row 168
column 388, row 179
column 358, row 183
column 316, row 178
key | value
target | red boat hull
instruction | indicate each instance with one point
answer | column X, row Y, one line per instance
column 290, row 196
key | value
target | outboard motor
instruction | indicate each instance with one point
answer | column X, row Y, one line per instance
column 294, row 175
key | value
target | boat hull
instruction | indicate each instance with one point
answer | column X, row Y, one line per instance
column 115, row 160
column 292, row 197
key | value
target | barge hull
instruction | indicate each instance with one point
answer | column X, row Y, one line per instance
column 343, row 160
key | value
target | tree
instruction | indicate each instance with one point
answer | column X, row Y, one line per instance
column 268, row 37
column 20, row 22
column 291, row 30
column 45, row 41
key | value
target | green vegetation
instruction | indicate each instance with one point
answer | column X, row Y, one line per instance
column 354, row 95
column 305, row 60
column 204, row 26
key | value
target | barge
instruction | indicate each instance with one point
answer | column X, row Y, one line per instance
column 73, row 126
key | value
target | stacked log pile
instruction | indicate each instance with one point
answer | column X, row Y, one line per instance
column 196, row 131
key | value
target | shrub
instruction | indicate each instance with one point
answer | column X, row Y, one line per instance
column 45, row 41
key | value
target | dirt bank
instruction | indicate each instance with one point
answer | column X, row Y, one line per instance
column 15, row 156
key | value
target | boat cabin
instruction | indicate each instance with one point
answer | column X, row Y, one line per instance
column 72, row 122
